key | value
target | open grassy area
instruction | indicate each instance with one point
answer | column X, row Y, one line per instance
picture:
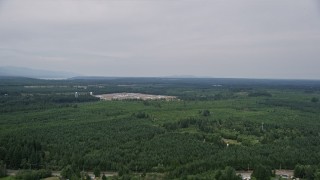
column 7, row 178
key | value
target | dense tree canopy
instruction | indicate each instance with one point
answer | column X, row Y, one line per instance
column 43, row 126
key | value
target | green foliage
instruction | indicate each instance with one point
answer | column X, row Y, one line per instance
column 3, row 152
column 104, row 177
column 299, row 171
column 140, row 115
column 123, row 171
column 87, row 177
column 262, row 172
column 70, row 173
column 33, row 174
column 317, row 175
column 42, row 125
column 3, row 169
column 305, row 171
column 205, row 112
column 96, row 172
column 228, row 173
column 8, row 178
column 23, row 153
column 314, row 100
column 259, row 93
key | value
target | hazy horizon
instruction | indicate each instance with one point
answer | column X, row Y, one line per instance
column 275, row 39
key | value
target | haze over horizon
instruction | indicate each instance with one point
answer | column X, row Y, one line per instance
column 247, row 39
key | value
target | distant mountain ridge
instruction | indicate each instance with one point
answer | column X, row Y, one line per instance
column 34, row 73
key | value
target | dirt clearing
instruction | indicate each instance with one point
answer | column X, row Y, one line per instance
column 123, row 96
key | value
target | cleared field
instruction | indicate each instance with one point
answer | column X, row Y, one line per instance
column 7, row 178
column 123, row 96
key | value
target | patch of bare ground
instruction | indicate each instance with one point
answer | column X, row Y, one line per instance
column 124, row 96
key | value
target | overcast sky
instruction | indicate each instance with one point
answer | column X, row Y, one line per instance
column 217, row 38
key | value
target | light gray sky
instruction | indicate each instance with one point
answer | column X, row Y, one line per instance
column 217, row 38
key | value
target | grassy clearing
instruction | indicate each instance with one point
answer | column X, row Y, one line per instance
column 7, row 178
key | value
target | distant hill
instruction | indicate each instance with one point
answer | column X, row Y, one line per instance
column 34, row 73
column 94, row 78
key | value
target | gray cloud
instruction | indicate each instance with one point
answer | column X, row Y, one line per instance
column 236, row 38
